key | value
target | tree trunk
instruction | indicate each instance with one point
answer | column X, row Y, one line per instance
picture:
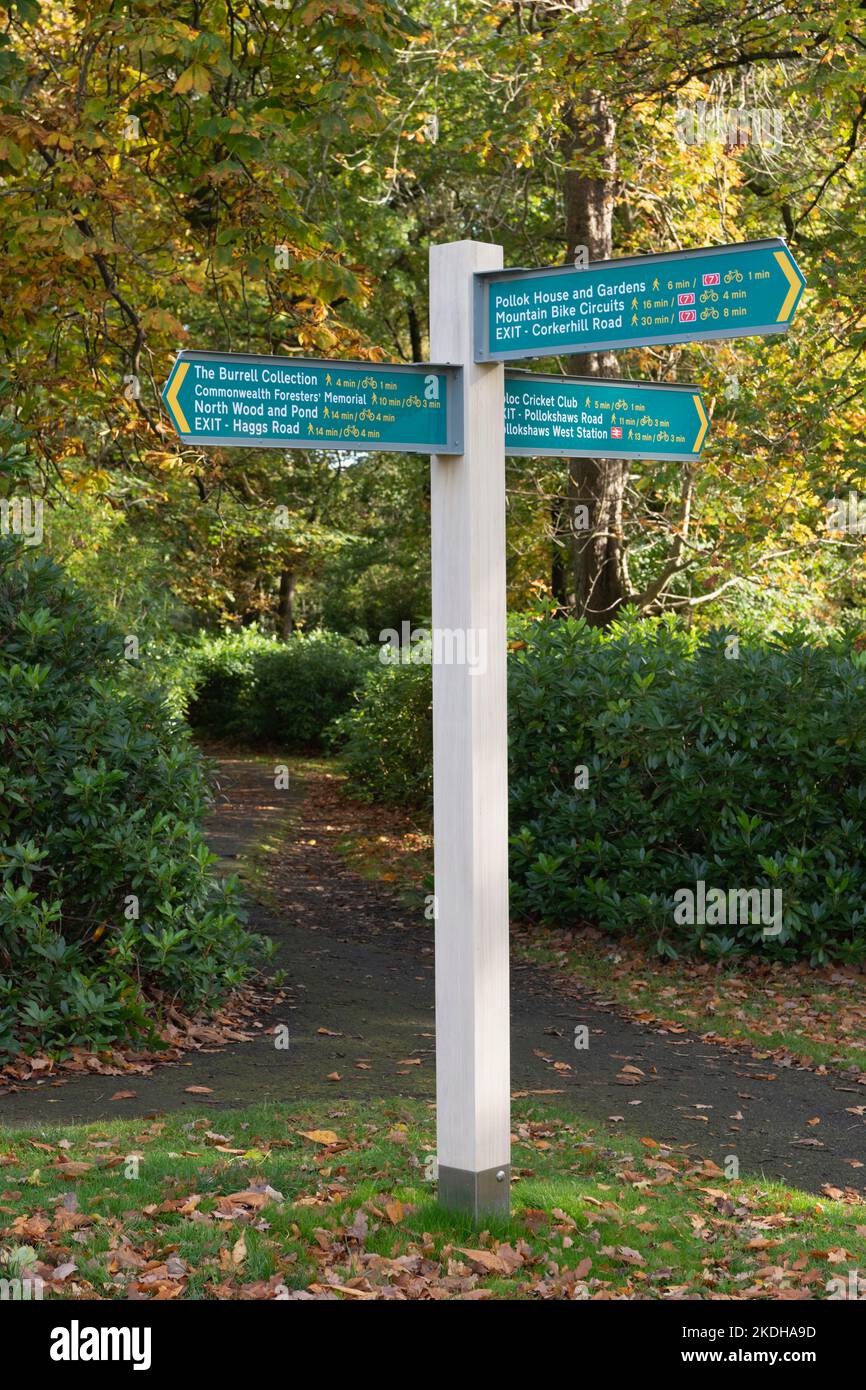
column 559, row 569
column 286, row 604
column 596, row 486
column 414, row 333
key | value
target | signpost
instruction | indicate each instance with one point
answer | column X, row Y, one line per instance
column 637, row 301
column 468, row 415
column 221, row 398
column 470, row 762
column 599, row 417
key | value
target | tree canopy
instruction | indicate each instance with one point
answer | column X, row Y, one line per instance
column 269, row 177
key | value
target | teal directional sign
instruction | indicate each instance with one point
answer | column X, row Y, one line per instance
column 602, row 418
column 229, row 399
column 680, row 297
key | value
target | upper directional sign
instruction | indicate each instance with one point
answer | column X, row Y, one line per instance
column 593, row 417
column 678, row 297
column 293, row 403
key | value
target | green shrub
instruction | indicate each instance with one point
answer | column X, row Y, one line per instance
column 108, row 902
column 741, row 772
column 252, row 687
column 741, row 767
column 388, row 749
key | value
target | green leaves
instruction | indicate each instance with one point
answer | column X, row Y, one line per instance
column 153, row 166
column 195, row 78
column 388, row 737
column 722, row 770
column 99, row 806
column 258, row 689
column 746, row 774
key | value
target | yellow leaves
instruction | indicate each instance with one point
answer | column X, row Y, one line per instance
column 317, row 338
column 168, row 461
column 55, row 139
column 320, row 1136
column 523, row 156
column 97, row 480
column 161, row 321
column 195, row 78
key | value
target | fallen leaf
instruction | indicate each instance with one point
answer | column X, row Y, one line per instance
column 632, row 1257
column 484, row 1261
column 359, row 1227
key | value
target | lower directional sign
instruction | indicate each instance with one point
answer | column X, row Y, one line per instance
column 593, row 417
column 293, row 403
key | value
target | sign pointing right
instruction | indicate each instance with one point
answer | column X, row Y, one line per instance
column 598, row 417
column 637, row 301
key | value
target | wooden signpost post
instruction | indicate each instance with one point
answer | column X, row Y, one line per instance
column 468, row 414
column 470, row 761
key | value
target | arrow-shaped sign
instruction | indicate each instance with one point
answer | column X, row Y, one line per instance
column 594, row 417
column 171, row 398
column 678, row 297
column 231, row 399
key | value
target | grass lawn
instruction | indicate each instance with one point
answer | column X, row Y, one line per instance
column 277, row 1201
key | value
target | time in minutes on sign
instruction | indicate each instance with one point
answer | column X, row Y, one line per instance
column 597, row 417
column 636, row 301
column 231, row 399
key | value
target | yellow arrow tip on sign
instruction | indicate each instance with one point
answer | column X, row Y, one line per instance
column 172, row 401
column 699, row 406
column 789, row 271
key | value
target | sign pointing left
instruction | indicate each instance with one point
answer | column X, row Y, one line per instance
column 228, row 399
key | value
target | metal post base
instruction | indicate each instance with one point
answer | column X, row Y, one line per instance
column 485, row 1193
